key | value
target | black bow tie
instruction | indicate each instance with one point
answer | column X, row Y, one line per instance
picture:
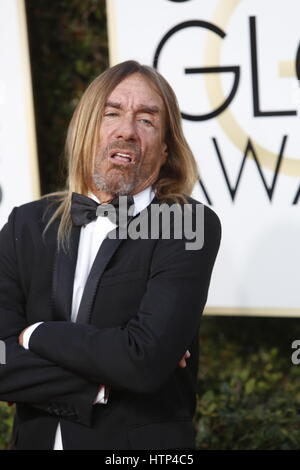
column 84, row 209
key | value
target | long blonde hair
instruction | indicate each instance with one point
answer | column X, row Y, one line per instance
column 177, row 176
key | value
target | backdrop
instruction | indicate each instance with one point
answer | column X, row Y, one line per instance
column 233, row 65
column 19, row 180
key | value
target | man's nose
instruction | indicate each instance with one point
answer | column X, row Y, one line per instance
column 126, row 129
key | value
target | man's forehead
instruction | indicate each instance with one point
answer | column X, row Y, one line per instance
column 136, row 90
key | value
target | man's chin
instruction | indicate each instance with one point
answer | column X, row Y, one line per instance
column 122, row 190
column 118, row 187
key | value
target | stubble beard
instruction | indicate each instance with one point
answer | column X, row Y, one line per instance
column 117, row 179
column 112, row 184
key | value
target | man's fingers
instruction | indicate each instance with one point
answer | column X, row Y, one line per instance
column 182, row 362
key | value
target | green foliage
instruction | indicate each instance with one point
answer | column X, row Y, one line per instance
column 249, row 390
column 68, row 49
column 6, row 424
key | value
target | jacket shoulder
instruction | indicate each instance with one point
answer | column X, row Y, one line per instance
column 211, row 219
column 36, row 210
column 32, row 213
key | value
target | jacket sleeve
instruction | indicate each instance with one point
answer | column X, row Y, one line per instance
column 33, row 380
column 141, row 355
column 26, row 377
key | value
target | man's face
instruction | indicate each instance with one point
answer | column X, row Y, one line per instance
column 131, row 141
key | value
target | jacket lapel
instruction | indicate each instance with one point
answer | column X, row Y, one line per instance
column 63, row 278
column 105, row 252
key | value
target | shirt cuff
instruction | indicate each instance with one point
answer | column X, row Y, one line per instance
column 102, row 396
column 28, row 333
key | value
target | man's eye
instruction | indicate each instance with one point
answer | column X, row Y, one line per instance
column 146, row 121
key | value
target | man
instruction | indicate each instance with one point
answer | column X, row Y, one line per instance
column 98, row 329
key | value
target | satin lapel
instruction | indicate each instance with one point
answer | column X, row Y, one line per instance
column 63, row 278
column 105, row 252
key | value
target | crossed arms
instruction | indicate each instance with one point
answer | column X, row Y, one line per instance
column 67, row 361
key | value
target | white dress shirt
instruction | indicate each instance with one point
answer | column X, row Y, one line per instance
column 91, row 238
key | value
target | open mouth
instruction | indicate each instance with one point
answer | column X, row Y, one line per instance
column 122, row 157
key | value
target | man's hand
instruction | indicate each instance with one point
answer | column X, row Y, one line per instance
column 182, row 362
column 21, row 337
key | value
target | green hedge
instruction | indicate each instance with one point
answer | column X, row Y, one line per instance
column 68, row 48
column 6, row 422
column 248, row 389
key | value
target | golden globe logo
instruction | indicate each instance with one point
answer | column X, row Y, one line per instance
column 247, row 86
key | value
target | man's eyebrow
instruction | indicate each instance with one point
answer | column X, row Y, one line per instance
column 113, row 104
column 143, row 108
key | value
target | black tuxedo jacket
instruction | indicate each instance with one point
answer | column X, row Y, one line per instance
column 140, row 312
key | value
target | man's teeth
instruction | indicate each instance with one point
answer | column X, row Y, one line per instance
column 123, row 156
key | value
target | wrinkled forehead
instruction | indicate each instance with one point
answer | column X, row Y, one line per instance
column 137, row 91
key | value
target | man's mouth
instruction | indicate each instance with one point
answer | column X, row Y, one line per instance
column 122, row 157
